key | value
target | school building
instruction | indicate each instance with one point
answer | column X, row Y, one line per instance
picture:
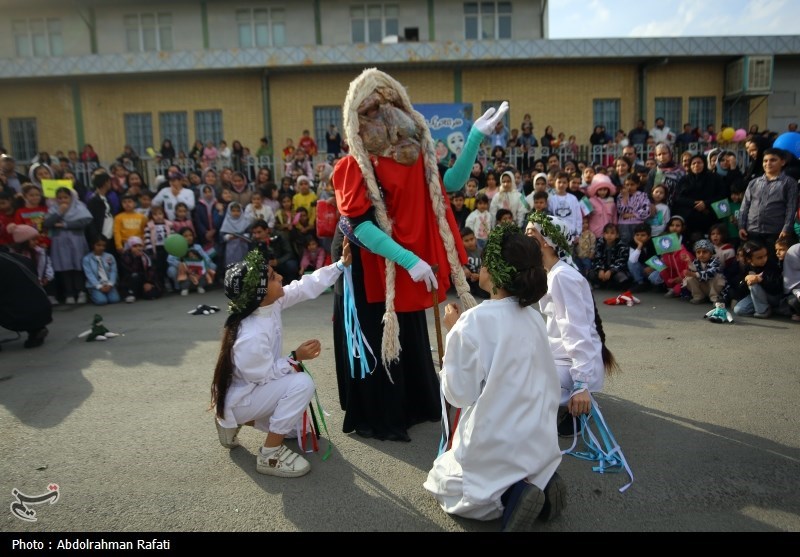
column 113, row 72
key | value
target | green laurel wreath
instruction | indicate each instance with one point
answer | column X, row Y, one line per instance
column 252, row 280
column 501, row 271
column 550, row 230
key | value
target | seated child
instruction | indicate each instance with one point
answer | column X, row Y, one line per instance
column 761, row 288
column 472, row 269
column 676, row 261
column 641, row 250
column 195, row 269
column 789, row 261
column 313, row 257
column 100, row 269
column 137, row 274
column 503, row 216
column 610, row 262
column 704, row 277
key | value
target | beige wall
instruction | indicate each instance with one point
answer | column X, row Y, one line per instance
column 557, row 95
column 685, row 80
column 51, row 105
column 104, row 102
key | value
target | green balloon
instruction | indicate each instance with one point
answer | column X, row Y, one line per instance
column 176, row 245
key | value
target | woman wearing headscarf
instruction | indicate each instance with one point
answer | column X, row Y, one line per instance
column 67, row 221
column 695, row 193
column 667, row 172
column 755, row 147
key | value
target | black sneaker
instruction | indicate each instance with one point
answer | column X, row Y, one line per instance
column 555, row 498
column 525, row 505
column 36, row 338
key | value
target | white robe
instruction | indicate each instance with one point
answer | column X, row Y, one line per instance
column 499, row 370
column 569, row 309
column 258, row 364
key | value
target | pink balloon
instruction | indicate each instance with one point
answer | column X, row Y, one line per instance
column 739, row 135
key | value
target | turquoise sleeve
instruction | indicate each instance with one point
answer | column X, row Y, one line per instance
column 377, row 241
column 456, row 176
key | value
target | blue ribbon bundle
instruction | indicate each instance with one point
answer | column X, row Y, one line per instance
column 605, row 450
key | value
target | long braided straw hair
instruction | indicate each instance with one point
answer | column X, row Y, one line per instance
column 360, row 88
column 555, row 234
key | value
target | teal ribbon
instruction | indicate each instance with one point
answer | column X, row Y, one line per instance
column 356, row 341
column 608, row 454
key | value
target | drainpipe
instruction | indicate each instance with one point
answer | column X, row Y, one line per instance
column 643, row 67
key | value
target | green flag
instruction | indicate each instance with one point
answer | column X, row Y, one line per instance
column 655, row 263
column 722, row 208
column 586, row 205
column 667, row 243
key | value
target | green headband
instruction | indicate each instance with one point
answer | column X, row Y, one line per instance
column 550, row 231
column 501, row 271
column 246, row 282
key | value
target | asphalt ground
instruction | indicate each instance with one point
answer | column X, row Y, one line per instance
column 705, row 414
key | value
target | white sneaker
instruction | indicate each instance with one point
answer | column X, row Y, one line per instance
column 82, row 297
column 283, row 463
column 53, row 300
column 130, row 299
column 69, row 301
column 201, row 290
column 228, row 436
column 185, row 292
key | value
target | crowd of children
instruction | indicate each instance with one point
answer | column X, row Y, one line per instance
column 108, row 241
column 681, row 236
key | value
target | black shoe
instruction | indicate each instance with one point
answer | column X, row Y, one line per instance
column 566, row 426
column 36, row 338
column 525, row 505
column 365, row 432
column 555, row 498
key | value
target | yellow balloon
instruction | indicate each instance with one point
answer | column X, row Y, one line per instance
column 727, row 134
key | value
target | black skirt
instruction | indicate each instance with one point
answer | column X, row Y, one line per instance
column 375, row 406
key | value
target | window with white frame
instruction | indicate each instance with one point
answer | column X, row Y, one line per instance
column 174, row 126
column 148, row 32
column 208, row 126
column 261, row 27
column 487, row 20
column 605, row 112
column 702, row 111
column 24, row 141
column 671, row 110
column 37, row 37
column 139, row 131
column 370, row 23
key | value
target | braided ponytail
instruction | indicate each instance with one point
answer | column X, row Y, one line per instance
column 223, row 372
column 609, row 362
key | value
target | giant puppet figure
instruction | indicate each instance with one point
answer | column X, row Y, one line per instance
column 406, row 248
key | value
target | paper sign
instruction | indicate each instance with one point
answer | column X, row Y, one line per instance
column 722, row 208
column 667, row 243
column 656, row 263
column 49, row 187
